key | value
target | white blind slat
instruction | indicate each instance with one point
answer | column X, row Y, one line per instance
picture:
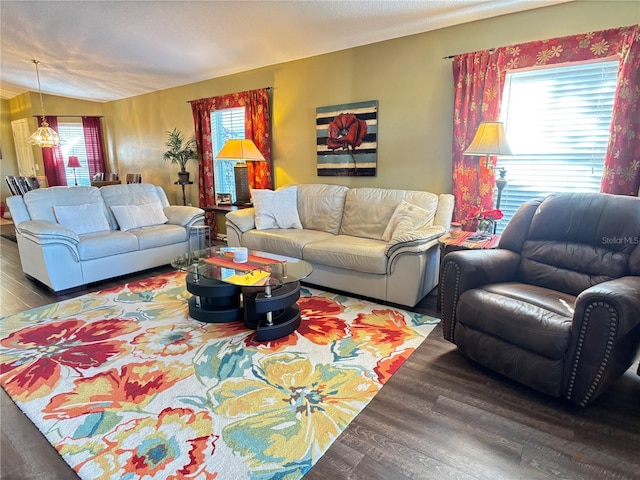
column 557, row 122
column 225, row 125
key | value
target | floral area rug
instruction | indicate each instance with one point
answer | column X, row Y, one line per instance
column 125, row 385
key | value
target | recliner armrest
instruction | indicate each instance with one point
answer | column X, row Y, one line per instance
column 605, row 337
column 467, row 269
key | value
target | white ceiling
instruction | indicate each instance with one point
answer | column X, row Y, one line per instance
column 107, row 50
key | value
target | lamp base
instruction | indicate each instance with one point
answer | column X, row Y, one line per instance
column 241, row 174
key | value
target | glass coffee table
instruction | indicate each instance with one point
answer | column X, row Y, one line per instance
column 263, row 290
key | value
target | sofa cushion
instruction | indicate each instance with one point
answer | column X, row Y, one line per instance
column 348, row 252
column 40, row 202
column 320, row 206
column 367, row 211
column 85, row 218
column 407, row 218
column 136, row 216
column 491, row 310
column 289, row 242
column 276, row 209
column 159, row 235
column 104, row 244
column 131, row 194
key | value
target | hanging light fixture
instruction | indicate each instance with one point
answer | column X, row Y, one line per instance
column 44, row 136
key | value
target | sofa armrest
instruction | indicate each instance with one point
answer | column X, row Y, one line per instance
column 241, row 220
column 18, row 209
column 183, row 215
column 41, row 231
column 463, row 270
column 605, row 337
column 416, row 241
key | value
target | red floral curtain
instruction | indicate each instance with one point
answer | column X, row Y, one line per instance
column 478, row 80
column 53, row 162
column 93, row 145
column 622, row 161
column 257, row 128
column 478, row 85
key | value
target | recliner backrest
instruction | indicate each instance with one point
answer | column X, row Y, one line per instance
column 571, row 241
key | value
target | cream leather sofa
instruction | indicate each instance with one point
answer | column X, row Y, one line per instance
column 69, row 236
column 342, row 237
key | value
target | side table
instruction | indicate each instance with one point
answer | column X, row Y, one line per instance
column 465, row 242
column 199, row 237
column 211, row 213
column 184, row 195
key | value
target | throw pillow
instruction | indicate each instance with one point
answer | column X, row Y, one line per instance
column 276, row 208
column 405, row 218
column 136, row 216
column 85, row 218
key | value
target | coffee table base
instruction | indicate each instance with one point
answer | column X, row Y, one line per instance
column 213, row 301
column 272, row 315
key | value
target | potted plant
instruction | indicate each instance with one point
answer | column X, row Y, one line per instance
column 180, row 151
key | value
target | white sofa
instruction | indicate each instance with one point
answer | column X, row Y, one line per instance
column 69, row 236
column 342, row 237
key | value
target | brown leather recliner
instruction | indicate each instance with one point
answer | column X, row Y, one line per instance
column 557, row 305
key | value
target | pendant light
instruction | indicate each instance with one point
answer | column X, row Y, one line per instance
column 44, row 136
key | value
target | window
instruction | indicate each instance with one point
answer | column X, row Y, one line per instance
column 73, row 144
column 225, row 125
column 557, row 121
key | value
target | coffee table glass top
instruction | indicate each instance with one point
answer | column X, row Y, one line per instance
column 260, row 269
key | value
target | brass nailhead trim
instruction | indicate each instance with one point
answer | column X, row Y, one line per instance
column 455, row 293
column 613, row 323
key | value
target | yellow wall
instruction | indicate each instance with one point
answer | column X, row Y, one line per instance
column 27, row 105
column 408, row 77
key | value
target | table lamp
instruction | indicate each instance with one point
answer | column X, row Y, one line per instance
column 74, row 163
column 490, row 139
column 241, row 150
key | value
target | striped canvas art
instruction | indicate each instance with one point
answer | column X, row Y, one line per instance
column 347, row 139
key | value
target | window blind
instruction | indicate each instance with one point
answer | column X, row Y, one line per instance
column 73, row 144
column 225, row 125
column 557, row 122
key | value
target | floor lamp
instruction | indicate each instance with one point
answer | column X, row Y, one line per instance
column 241, row 150
column 74, row 163
column 490, row 139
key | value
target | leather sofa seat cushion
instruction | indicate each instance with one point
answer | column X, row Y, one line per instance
column 353, row 253
column 104, row 244
column 288, row 242
column 320, row 206
column 159, row 235
column 533, row 318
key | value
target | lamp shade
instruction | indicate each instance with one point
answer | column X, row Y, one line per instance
column 73, row 162
column 490, row 139
column 240, row 150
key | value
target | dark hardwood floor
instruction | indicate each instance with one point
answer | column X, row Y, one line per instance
column 439, row 417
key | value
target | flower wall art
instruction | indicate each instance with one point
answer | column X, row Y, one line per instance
column 347, row 139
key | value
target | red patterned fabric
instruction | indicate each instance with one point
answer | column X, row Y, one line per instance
column 53, row 162
column 477, row 98
column 93, row 145
column 257, row 128
column 479, row 78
